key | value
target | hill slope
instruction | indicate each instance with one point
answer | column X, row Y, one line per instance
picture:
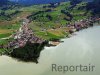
column 44, row 17
column 27, row 2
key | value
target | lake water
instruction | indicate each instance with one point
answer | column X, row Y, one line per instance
column 83, row 48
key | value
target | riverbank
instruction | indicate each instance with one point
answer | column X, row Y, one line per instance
column 25, row 45
column 77, row 26
column 83, row 48
column 30, row 52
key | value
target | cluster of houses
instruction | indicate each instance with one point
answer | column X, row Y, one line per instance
column 24, row 35
column 80, row 25
column 77, row 26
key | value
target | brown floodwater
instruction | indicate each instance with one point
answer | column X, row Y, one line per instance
column 83, row 48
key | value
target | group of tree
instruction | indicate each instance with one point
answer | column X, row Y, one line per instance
column 3, row 2
column 68, row 14
column 93, row 5
column 74, row 2
column 30, row 52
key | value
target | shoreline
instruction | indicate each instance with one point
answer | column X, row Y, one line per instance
column 35, row 60
column 35, row 52
column 55, row 43
column 61, row 40
column 65, row 54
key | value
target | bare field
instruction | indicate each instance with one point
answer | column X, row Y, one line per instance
column 4, row 31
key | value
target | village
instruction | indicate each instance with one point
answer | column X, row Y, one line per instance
column 77, row 26
column 26, row 34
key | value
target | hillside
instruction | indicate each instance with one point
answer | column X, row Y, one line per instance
column 40, row 24
column 43, row 17
column 32, row 2
column 53, row 16
column 3, row 2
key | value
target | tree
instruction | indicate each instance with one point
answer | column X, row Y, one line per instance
column 74, row 2
column 94, row 6
column 3, row 2
column 97, row 3
column 97, row 6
